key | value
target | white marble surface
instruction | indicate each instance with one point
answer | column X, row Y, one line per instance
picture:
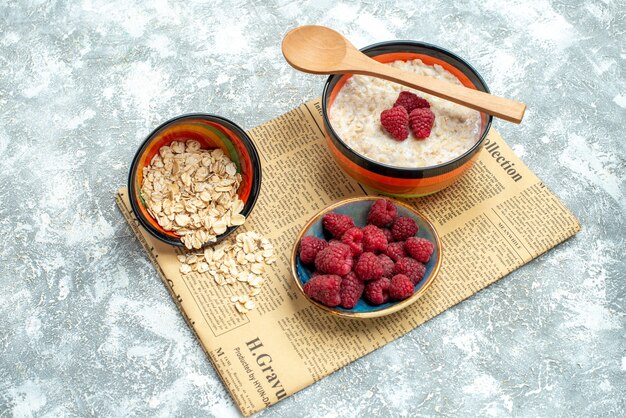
column 87, row 328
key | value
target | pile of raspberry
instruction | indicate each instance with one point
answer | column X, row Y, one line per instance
column 409, row 111
column 380, row 262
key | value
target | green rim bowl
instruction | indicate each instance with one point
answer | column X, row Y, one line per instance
column 212, row 132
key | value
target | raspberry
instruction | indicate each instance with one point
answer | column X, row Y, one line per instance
column 421, row 122
column 411, row 101
column 309, row 247
column 368, row 267
column 413, row 269
column 388, row 235
column 353, row 238
column 387, row 264
column 401, row 287
column 395, row 250
column 382, row 213
column 351, row 290
column 374, row 239
column 334, row 259
column 324, row 289
column 377, row 291
column 419, row 248
column 337, row 223
column 403, row 228
column 396, row 122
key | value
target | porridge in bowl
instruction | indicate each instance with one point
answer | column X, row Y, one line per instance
column 356, row 117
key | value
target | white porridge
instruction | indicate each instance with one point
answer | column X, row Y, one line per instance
column 355, row 116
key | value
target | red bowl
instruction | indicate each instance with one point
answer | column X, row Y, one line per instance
column 211, row 132
column 402, row 181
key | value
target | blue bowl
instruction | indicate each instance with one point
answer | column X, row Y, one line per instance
column 358, row 208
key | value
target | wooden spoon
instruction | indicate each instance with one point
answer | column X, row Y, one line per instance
column 321, row 50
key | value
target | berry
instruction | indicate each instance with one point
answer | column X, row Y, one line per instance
column 377, row 291
column 351, row 290
column 309, row 247
column 403, row 228
column 337, row 223
column 421, row 122
column 396, row 122
column 368, row 267
column 411, row 101
column 419, row 248
column 395, row 250
column 382, row 213
column 374, row 239
column 324, row 289
column 334, row 259
column 401, row 287
column 413, row 269
column 353, row 238
column 388, row 235
column 387, row 264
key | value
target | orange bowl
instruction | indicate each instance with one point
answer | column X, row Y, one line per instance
column 211, row 132
column 403, row 181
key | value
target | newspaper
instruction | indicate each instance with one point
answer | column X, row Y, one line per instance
column 497, row 217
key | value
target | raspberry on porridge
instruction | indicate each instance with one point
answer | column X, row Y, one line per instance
column 355, row 116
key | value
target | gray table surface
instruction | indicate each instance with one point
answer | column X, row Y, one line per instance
column 87, row 328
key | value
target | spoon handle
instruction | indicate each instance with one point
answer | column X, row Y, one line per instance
column 499, row 107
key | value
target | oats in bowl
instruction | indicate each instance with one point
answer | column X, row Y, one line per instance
column 192, row 192
column 194, row 180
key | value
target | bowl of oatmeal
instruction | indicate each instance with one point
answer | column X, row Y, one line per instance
column 414, row 165
column 194, row 180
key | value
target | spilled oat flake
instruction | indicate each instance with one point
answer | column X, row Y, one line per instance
column 243, row 260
